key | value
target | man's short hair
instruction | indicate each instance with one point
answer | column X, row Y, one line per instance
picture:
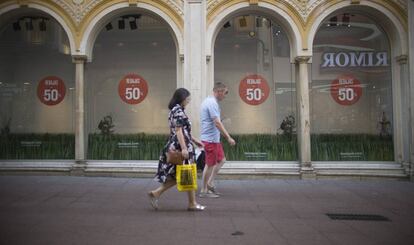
column 219, row 86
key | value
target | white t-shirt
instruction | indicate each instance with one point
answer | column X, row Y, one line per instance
column 210, row 110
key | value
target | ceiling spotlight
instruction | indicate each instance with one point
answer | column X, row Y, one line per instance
column 16, row 26
column 133, row 24
column 259, row 22
column 42, row 25
column 243, row 22
column 109, row 26
column 29, row 25
column 333, row 21
column 345, row 20
column 121, row 24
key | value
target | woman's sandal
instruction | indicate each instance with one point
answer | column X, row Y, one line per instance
column 153, row 200
column 197, row 207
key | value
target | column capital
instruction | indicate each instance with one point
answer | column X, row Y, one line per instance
column 402, row 59
column 302, row 59
column 79, row 59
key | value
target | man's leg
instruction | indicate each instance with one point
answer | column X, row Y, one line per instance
column 207, row 172
column 220, row 162
column 215, row 171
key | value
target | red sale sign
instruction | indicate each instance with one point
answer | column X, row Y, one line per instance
column 133, row 89
column 346, row 90
column 51, row 90
column 254, row 89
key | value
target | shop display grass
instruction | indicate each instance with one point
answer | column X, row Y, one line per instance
column 354, row 147
column 262, row 147
column 37, row 146
column 249, row 147
column 148, row 147
column 252, row 147
column 125, row 146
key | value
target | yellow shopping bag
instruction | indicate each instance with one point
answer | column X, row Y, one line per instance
column 186, row 176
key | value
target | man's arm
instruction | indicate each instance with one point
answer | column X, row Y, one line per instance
column 223, row 131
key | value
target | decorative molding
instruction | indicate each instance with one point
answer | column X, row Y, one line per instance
column 303, row 7
column 79, row 59
column 23, row 3
column 402, row 59
column 133, row 2
column 79, row 9
column 303, row 59
column 177, row 5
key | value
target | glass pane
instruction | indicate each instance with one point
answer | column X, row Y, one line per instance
column 129, row 83
column 252, row 57
column 351, row 91
column 36, row 89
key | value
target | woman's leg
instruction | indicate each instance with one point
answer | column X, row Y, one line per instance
column 191, row 199
column 163, row 187
column 192, row 203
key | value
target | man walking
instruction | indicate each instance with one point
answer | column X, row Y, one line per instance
column 211, row 127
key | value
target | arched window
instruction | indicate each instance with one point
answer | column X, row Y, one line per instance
column 129, row 83
column 252, row 57
column 37, row 88
column 351, row 90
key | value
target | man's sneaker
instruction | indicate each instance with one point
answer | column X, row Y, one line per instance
column 213, row 189
column 208, row 194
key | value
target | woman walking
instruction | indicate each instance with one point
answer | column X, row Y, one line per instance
column 180, row 140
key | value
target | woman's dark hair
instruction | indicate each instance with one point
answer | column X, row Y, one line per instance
column 178, row 97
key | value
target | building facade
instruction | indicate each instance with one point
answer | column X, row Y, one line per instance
column 317, row 88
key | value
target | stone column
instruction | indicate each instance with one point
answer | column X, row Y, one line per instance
column 80, row 137
column 411, row 83
column 194, row 57
column 403, row 146
column 302, row 95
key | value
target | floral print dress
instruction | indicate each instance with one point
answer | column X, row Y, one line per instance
column 176, row 118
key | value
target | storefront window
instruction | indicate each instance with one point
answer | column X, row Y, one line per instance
column 36, row 89
column 252, row 57
column 129, row 83
column 351, row 91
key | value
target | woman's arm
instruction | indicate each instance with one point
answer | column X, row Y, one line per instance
column 197, row 142
column 181, row 140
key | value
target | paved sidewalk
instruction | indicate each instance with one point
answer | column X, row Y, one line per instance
column 95, row 210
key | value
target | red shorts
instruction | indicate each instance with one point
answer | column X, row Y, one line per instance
column 214, row 153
